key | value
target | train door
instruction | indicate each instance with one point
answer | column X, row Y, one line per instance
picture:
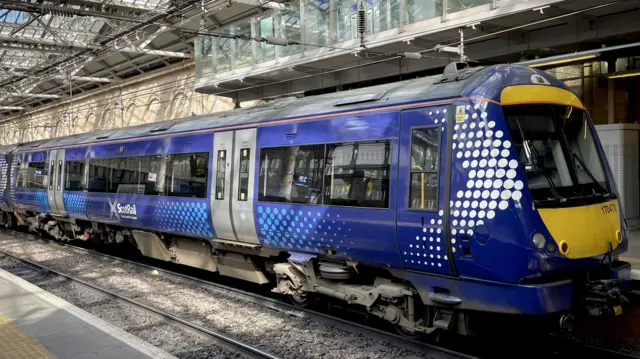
column 56, row 184
column 232, row 188
column 423, row 191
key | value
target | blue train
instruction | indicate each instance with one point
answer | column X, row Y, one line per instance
column 423, row 201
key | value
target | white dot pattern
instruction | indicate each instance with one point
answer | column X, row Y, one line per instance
column 491, row 180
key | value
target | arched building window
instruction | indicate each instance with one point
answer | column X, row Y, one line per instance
column 154, row 111
column 132, row 115
column 109, row 119
column 180, row 106
column 88, row 125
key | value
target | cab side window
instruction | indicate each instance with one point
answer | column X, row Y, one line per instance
column 425, row 168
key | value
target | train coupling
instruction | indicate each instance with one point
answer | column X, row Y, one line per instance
column 604, row 298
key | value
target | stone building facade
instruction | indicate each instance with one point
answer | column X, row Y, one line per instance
column 156, row 96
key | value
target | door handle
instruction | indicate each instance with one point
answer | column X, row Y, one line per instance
column 59, row 177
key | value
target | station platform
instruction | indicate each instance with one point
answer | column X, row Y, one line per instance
column 633, row 253
column 37, row 324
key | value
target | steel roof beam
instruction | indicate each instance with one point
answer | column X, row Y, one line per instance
column 49, row 8
column 32, row 48
column 11, row 72
column 35, row 41
column 31, row 95
column 144, row 51
column 116, row 5
column 84, row 78
column 81, row 58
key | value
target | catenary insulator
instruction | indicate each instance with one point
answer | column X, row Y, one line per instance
column 273, row 40
column 362, row 18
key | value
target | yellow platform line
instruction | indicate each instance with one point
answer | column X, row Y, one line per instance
column 630, row 260
column 17, row 344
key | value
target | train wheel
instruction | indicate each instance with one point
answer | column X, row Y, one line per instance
column 409, row 334
column 300, row 300
column 9, row 220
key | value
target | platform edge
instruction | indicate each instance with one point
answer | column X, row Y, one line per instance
column 131, row 340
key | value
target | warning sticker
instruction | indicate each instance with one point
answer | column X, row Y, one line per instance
column 460, row 113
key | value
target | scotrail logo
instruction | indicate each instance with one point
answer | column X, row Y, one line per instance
column 127, row 211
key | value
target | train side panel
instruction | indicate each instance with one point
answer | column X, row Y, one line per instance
column 5, row 204
column 355, row 218
column 189, row 216
column 31, row 180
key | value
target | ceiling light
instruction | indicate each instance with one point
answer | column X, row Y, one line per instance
column 563, row 60
column 624, row 75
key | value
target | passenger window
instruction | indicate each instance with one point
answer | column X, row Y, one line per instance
column 357, row 174
column 74, row 177
column 189, row 175
column 243, row 190
column 59, row 180
column 155, row 173
column 425, row 167
column 99, row 174
column 124, row 176
column 32, row 175
column 51, row 171
column 291, row 174
column 221, row 170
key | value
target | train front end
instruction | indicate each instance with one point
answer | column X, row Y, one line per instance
column 579, row 230
column 558, row 228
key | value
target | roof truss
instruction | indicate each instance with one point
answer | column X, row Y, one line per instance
column 53, row 40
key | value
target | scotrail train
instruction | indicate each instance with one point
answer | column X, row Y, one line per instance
column 424, row 201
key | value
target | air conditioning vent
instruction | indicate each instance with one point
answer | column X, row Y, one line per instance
column 360, row 99
column 162, row 127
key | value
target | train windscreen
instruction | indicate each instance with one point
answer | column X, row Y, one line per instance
column 558, row 153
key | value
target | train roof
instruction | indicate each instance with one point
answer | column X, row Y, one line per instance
column 450, row 84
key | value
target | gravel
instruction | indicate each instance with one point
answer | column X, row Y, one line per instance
column 149, row 327
column 286, row 336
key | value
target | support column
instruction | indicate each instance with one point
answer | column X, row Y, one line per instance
column 333, row 28
column 403, row 15
column 445, row 9
column 611, row 100
column 254, row 44
column 234, row 49
column 276, row 18
column 303, row 27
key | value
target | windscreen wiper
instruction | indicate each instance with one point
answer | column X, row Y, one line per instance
column 552, row 185
column 529, row 150
column 588, row 172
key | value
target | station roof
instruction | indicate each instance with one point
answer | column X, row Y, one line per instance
column 53, row 49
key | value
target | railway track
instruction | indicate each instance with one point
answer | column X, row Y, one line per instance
column 555, row 348
column 218, row 339
column 435, row 352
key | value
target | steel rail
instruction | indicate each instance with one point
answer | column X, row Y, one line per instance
column 436, row 352
column 219, row 339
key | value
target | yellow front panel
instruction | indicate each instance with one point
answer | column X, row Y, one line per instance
column 587, row 230
column 538, row 94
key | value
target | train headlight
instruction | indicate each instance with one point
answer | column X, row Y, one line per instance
column 551, row 248
column 539, row 241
